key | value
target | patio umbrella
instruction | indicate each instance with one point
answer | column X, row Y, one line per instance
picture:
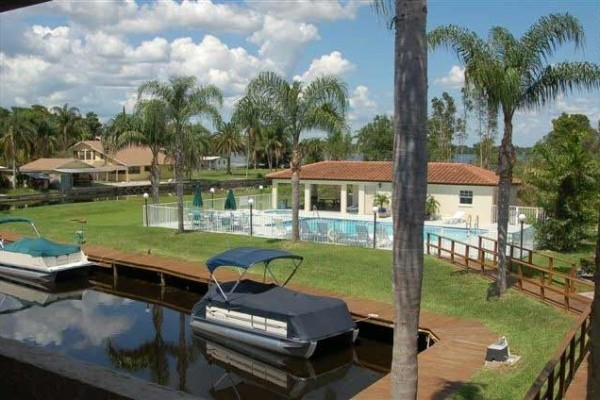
column 197, row 202
column 230, row 201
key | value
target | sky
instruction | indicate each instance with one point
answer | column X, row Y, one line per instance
column 94, row 54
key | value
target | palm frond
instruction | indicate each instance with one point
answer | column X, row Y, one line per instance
column 561, row 78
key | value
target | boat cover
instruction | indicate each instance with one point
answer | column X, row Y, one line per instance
column 308, row 317
column 245, row 257
column 40, row 247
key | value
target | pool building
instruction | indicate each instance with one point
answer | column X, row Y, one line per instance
column 460, row 189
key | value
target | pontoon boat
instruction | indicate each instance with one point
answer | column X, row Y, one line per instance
column 39, row 259
column 268, row 315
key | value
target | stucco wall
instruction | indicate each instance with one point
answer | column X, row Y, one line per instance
column 448, row 197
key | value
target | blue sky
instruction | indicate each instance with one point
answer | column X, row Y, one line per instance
column 94, row 54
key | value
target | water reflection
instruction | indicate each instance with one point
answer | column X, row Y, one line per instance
column 146, row 339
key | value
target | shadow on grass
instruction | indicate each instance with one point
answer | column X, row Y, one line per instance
column 459, row 390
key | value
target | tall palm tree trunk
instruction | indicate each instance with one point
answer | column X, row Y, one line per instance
column 409, row 189
column 229, row 164
column 179, row 180
column 13, row 151
column 155, row 179
column 295, row 166
column 505, row 172
column 593, row 381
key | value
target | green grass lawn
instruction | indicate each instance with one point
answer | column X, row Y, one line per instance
column 236, row 173
column 533, row 329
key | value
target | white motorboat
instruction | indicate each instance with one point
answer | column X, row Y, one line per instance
column 38, row 259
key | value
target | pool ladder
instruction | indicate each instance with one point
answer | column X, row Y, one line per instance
column 469, row 223
column 315, row 211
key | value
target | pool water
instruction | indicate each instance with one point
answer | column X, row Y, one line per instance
column 356, row 228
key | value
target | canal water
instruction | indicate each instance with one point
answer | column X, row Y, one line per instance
column 142, row 329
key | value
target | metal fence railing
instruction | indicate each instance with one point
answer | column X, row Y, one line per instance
column 531, row 213
column 274, row 224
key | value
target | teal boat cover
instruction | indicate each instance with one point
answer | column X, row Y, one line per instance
column 40, row 247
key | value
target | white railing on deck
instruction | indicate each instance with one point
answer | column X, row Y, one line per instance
column 532, row 214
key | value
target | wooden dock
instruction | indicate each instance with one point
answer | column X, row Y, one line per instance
column 443, row 368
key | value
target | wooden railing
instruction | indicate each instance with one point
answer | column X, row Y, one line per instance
column 553, row 381
column 515, row 251
column 544, row 283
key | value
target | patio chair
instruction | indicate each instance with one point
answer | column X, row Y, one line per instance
column 280, row 229
column 198, row 221
column 457, row 218
column 322, row 231
column 362, row 238
column 306, row 232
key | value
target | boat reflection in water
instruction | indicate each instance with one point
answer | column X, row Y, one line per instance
column 15, row 297
column 246, row 372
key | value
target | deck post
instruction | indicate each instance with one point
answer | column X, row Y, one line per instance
column 162, row 279
column 115, row 275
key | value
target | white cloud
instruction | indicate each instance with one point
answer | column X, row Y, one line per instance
column 455, row 78
column 130, row 17
column 361, row 105
column 310, row 10
column 329, row 64
column 282, row 41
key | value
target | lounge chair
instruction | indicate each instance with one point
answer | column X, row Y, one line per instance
column 457, row 218
column 363, row 237
column 306, row 232
column 322, row 231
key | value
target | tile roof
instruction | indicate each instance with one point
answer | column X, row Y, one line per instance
column 381, row 171
column 50, row 164
column 129, row 156
column 138, row 155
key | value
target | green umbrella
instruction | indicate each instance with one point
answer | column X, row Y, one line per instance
column 197, row 202
column 230, row 201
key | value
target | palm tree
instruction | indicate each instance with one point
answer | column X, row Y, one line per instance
column 298, row 107
column 227, row 140
column 17, row 132
column 44, row 141
column 515, row 74
column 148, row 128
column 69, row 126
column 183, row 99
column 197, row 145
column 409, row 185
column 247, row 115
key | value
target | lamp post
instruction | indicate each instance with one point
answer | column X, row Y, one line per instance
column 522, row 218
column 146, row 195
column 212, row 198
column 250, row 201
column 260, row 189
column 375, row 209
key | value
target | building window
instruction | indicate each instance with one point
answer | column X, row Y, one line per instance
column 466, row 197
column 147, row 168
column 81, row 155
column 134, row 170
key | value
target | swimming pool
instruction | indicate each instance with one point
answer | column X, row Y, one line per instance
column 348, row 227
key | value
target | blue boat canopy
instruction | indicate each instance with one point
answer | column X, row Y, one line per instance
column 245, row 257
column 15, row 219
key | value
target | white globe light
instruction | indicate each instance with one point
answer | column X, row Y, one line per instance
column 212, row 189
column 146, row 195
column 260, row 187
column 375, row 209
column 522, row 217
column 250, row 201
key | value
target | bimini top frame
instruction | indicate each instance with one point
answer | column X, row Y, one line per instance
column 245, row 258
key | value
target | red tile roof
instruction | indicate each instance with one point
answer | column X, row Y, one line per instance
column 381, row 171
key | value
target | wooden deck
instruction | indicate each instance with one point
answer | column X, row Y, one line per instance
column 443, row 368
column 578, row 388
